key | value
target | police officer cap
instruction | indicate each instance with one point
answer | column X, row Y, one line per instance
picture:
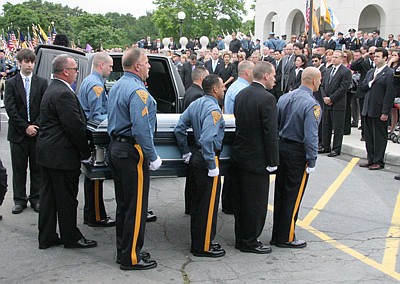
column 340, row 33
column 352, row 30
column 219, row 35
column 271, row 33
column 177, row 54
column 248, row 35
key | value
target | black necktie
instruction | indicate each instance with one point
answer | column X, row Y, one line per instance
column 332, row 74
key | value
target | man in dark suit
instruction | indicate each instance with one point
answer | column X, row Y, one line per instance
column 362, row 65
column 266, row 56
column 61, row 145
column 376, row 40
column 254, row 155
column 287, row 67
column 317, row 63
column 329, row 42
column 23, row 96
column 216, row 64
column 379, row 96
column 336, row 83
column 186, row 71
column 277, row 89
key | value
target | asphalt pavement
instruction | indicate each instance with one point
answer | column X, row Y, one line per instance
column 350, row 218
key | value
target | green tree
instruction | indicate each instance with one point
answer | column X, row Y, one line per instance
column 203, row 17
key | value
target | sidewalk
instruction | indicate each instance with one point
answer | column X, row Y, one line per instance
column 354, row 147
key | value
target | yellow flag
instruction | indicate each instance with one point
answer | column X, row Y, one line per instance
column 43, row 34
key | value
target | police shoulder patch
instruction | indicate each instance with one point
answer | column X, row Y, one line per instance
column 143, row 95
column 216, row 116
column 98, row 90
column 317, row 111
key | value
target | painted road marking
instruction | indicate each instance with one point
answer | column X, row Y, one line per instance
column 330, row 192
column 393, row 239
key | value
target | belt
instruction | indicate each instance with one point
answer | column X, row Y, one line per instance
column 125, row 139
column 290, row 141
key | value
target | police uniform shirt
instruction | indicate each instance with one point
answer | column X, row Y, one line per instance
column 92, row 96
column 205, row 117
column 299, row 114
column 132, row 113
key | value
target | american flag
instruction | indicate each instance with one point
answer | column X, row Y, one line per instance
column 307, row 15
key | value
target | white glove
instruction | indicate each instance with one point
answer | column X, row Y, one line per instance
column 186, row 157
column 271, row 169
column 155, row 165
column 310, row 170
column 214, row 172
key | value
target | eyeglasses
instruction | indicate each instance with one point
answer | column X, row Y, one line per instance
column 315, row 60
column 371, row 53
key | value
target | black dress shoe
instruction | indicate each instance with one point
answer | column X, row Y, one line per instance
column 396, row 177
column 35, row 207
column 213, row 252
column 108, row 222
column 82, row 243
column 143, row 255
column 375, row 167
column 18, row 208
column 261, row 249
column 333, row 154
column 142, row 265
column 151, row 217
column 294, row 244
column 322, row 150
column 57, row 242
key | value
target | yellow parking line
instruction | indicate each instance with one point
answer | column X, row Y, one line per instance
column 381, row 267
column 330, row 192
column 393, row 239
column 378, row 266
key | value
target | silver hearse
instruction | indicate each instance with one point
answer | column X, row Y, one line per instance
column 164, row 84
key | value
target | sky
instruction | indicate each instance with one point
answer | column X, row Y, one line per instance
column 136, row 8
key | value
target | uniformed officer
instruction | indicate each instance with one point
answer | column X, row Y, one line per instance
column 205, row 117
column 131, row 122
column 299, row 114
column 93, row 98
column 351, row 42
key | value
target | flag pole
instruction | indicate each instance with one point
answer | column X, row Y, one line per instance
column 310, row 26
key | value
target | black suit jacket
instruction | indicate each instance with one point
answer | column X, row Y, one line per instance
column 362, row 66
column 186, row 74
column 380, row 97
column 330, row 45
column 337, row 89
column 256, row 138
column 192, row 94
column 62, row 141
column 317, row 94
column 218, row 69
column 15, row 103
column 287, row 67
column 294, row 80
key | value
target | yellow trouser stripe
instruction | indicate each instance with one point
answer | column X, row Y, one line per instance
column 297, row 205
column 211, row 210
column 139, row 202
column 96, row 200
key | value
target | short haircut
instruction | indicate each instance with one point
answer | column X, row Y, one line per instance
column 298, row 44
column 209, row 82
column 192, row 57
column 26, row 55
column 318, row 56
column 340, row 52
column 384, row 51
column 261, row 68
column 132, row 56
column 198, row 72
column 60, row 63
column 245, row 65
column 101, row 57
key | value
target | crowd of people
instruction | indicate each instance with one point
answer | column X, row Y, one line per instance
column 287, row 99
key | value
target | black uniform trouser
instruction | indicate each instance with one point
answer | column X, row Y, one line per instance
column 93, row 210
column 361, row 103
column 250, row 201
column 333, row 120
column 291, row 181
column 205, row 201
column 226, row 195
column 58, row 201
column 375, row 139
column 354, row 110
column 23, row 153
column 130, row 172
column 188, row 192
column 348, row 112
